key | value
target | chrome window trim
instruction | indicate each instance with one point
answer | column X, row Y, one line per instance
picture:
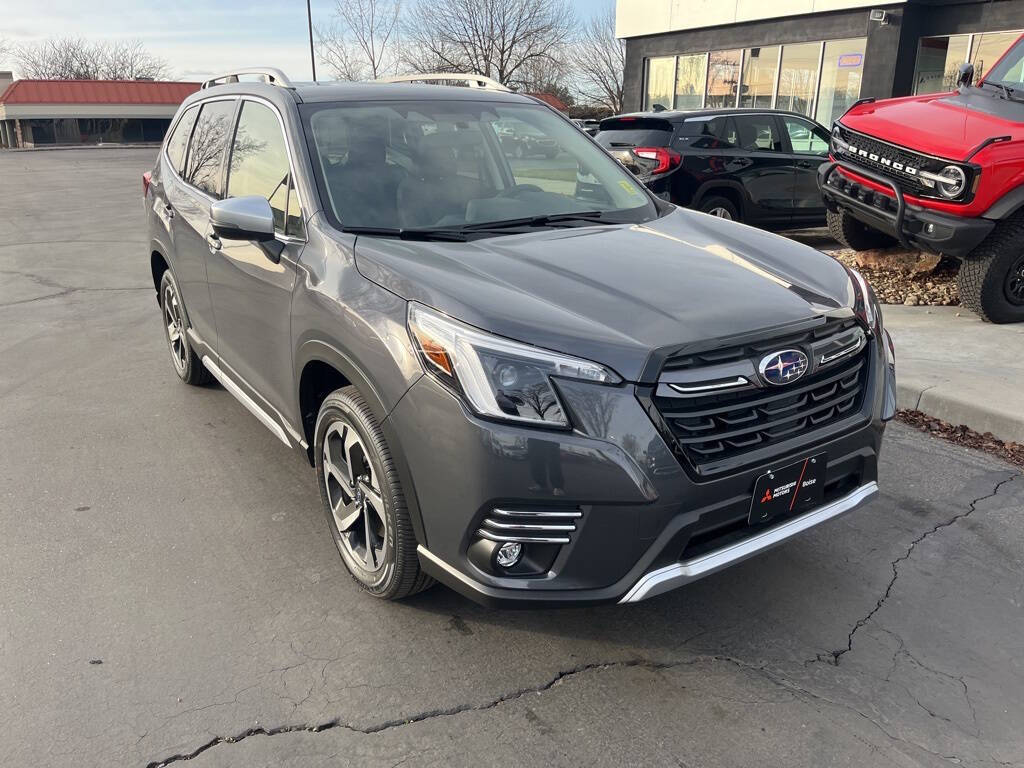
column 678, row 574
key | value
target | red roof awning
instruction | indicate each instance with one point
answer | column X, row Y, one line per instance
column 96, row 92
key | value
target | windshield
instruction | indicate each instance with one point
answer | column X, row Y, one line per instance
column 1009, row 70
column 453, row 164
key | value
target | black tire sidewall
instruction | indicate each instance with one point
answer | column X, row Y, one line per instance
column 188, row 374
column 346, row 404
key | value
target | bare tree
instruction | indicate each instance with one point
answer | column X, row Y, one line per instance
column 494, row 38
column 598, row 60
column 361, row 43
column 74, row 58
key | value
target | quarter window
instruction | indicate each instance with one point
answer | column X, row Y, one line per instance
column 206, row 150
column 703, row 133
column 178, row 141
column 259, row 160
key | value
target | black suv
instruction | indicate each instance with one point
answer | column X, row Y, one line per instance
column 749, row 165
column 529, row 391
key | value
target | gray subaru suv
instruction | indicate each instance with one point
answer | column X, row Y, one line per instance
column 525, row 377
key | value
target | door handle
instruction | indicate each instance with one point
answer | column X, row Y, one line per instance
column 804, row 163
column 214, row 242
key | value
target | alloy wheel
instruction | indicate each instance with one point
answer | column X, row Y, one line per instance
column 175, row 328
column 1015, row 282
column 721, row 213
column 354, row 496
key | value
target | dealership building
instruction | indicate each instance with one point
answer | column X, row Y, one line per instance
column 815, row 57
column 39, row 112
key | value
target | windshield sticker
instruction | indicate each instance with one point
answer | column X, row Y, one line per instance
column 628, row 187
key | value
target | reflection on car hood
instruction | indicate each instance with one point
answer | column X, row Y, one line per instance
column 615, row 294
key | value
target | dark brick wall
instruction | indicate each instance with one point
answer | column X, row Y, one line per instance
column 889, row 54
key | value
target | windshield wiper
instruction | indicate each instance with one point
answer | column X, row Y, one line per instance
column 453, row 235
column 589, row 217
column 1007, row 90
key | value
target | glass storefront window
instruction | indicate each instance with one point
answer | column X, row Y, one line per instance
column 798, row 77
column 759, row 68
column 661, row 74
column 691, row 74
column 841, row 69
column 723, row 79
column 987, row 48
column 938, row 60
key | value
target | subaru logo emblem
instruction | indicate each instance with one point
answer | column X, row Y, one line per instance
column 783, row 367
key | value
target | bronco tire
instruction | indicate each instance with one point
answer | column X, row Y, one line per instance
column 363, row 500
column 991, row 278
column 855, row 234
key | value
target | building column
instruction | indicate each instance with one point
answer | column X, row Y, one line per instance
column 5, row 134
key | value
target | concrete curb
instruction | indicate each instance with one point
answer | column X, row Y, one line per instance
column 959, row 369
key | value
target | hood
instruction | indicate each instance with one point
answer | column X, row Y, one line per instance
column 950, row 125
column 616, row 294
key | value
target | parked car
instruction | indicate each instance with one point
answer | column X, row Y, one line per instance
column 943, row 173
column 588, row 126
column 520, row 139
column 530, row 395
column 754, row 166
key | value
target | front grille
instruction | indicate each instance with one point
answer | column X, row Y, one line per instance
column 719, row 427
column 530, row 526
column 910, row 184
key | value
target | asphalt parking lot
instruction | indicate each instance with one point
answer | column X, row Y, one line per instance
column 169, row 591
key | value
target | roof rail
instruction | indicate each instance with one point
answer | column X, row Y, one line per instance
column 270, row 75
column 443, row 78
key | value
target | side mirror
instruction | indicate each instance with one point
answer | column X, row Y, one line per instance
column 965, row 76
column 243, row 218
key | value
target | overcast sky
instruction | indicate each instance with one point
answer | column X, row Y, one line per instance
column 198, row 38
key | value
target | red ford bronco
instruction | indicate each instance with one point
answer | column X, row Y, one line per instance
column 944, row 173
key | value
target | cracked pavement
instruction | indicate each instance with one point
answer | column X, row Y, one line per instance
column 170, row 594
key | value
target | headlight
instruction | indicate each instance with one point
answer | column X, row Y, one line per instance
column 865, row 304
column 499, row 378
column 952, row 181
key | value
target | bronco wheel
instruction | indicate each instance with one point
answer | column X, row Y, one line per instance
column 721, row 207
column 187, row 364
column 363, row 500
column 991, row 278
column 855, row 234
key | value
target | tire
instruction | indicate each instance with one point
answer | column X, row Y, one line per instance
column 373, row 506
column 991, row 278
column 187, row 364
column 722, row 207
column 855, row 234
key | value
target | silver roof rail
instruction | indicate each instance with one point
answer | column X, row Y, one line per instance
column 270, row 75
column 461, row 78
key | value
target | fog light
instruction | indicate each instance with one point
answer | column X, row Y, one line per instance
column 509, row 554
column 929, row 229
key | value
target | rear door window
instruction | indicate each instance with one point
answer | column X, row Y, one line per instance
column 707, row 133
column 203, row 168
column 177, row 143
column 758, row 133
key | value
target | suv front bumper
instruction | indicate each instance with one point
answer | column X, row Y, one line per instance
column 647, row 524
column 912, row 225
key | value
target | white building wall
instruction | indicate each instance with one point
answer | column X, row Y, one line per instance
column 634, row 18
